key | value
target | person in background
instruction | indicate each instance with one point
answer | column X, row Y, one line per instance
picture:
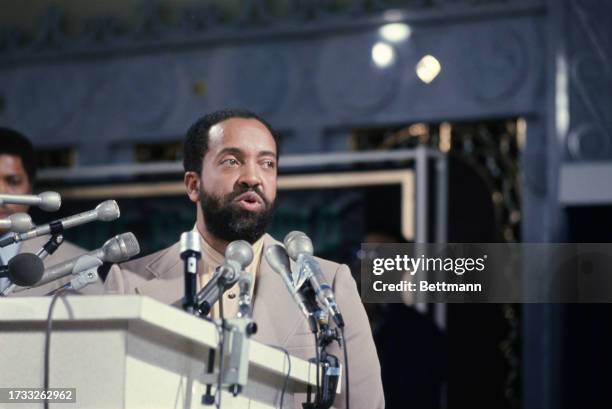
column 18, row 177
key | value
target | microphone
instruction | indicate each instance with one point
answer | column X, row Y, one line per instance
column 277, row 258
column 24, row 269
column 47, row 201
column 300, row 249
column 190, row 253
column 18, row 222
column 105, row 211
column 238, row 255
column 115, row 250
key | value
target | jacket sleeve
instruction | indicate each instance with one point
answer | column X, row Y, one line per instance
column 366, row 391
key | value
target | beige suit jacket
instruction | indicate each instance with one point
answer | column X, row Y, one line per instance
column 65, row 252
column 279, row 320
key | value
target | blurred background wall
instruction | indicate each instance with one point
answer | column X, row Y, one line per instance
column 515, row 94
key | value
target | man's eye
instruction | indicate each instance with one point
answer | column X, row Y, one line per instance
column 230, row 162
column 269, row 163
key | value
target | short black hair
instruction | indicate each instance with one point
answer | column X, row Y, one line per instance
column 16, row 144
column 196, row 140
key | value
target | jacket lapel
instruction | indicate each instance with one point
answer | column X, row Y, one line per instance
column 168, row 284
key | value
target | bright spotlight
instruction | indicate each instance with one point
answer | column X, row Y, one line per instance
column 383, row 54
column 428, row 69
column 395, row 32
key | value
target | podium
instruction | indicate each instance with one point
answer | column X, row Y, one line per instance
column 132, row 352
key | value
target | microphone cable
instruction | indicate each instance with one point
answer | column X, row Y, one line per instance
column 49, row 329
column 317, row 363
column 286, row 382
column 346, row 367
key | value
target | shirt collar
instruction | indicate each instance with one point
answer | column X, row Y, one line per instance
column 218, row 258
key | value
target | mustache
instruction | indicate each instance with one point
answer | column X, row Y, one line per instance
column 244, row 189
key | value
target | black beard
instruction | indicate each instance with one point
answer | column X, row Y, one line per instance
column 227, row 221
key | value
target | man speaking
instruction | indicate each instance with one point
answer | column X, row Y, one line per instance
column 230, row 162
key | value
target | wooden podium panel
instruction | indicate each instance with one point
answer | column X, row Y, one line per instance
column 131, row 352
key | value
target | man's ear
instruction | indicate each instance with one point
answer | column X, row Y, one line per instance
column 192, row 186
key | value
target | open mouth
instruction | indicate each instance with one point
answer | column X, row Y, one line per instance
column 249, row 201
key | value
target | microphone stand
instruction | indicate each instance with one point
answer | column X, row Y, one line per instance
column 51, row 245
column 239, row 329
column 328, row 364
column 208, row 399
column 202, row 309
column 238, row 255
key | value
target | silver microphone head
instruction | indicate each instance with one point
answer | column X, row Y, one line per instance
column 190, row 241
column 297, row 242
column 278, row 259
column 239, row 251
column 108, row 211
column 50, row 201
column 20, row 222
column 120, row 248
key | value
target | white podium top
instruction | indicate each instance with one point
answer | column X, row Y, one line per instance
column 148, row 313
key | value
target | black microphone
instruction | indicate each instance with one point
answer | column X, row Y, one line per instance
column 190, row 254
column 238, row 255
column 300, row 249
column 277, row 258
column 24, row 269
column 105, row 211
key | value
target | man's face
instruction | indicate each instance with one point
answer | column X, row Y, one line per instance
column 13, row 180
column 238, row 180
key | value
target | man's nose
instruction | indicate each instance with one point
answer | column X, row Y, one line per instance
column 250, row 176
